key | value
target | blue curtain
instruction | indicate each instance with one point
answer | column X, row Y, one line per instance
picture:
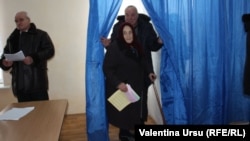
column 202, row 61
column 171, row 67
column 102, row 14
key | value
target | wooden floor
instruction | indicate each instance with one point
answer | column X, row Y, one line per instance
column 74, row 128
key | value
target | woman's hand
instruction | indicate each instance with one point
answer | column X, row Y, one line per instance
column 152, row 77
column 123, row 87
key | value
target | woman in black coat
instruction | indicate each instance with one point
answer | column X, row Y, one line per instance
column 146, row 35
column 125, row 63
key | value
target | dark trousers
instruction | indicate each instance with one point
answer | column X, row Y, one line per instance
column 37, row 96
column 246, row 81
column 125, row 133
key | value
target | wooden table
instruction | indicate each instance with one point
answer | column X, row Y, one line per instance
column 41, row 124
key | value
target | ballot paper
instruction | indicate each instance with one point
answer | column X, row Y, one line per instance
column 121, row 99
column 15, row 113
column 19, row 56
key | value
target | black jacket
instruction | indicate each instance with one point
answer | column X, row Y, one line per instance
column 246, row 81
column 37, row 44
column 145, row 34
column 121, row 65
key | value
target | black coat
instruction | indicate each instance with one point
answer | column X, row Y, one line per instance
column 121, row 66
column 37, row 44
column 145, row 34
column 246, row 81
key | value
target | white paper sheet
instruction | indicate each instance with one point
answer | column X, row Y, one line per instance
column 15, row 113
column 19, row 56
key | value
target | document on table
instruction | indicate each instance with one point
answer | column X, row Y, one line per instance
column 19, row 56
column 15, row 113
column 122, row 99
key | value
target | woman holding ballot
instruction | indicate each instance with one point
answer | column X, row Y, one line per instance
column 125, row 64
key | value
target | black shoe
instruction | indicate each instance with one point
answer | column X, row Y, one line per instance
column 126, row 135
column 126, row 138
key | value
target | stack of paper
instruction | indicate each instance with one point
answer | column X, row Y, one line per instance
column 122, row 99
column 16, row 113
column 19, row 56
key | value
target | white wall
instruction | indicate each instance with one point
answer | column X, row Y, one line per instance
column 66, row 22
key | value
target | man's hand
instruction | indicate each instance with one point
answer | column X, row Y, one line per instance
column 7, row 63
column 28, row 60
column 160, row 41
column 105, row 41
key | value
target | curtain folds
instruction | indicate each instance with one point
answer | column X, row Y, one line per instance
column 102, row 14
column 170, row 76
column 202, row 60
